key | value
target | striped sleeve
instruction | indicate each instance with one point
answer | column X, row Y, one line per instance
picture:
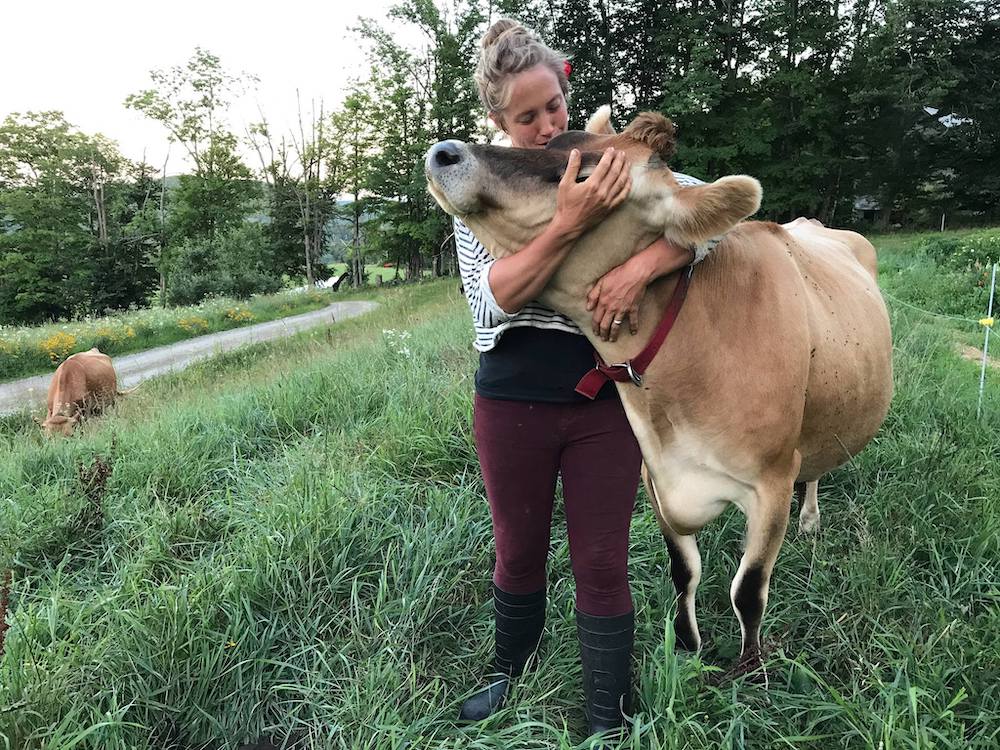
column 686, row 180
column 474, row 264
column 489, row 319
column 702, row 250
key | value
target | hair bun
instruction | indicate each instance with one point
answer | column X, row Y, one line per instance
column 498, row 29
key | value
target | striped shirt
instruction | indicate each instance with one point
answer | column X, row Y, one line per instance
column 490, row 320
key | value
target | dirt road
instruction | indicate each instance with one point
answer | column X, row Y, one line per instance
column 132, row 369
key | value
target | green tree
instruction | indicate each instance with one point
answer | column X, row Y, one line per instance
column 62, row 194
column 303, row 173
column 422, row 96
column 354, row 122
column 191, row 102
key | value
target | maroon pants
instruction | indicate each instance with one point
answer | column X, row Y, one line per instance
column 522, row 447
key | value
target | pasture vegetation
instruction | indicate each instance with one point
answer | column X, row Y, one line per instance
column 30, row 350
column 373, row 271
column 292, row 541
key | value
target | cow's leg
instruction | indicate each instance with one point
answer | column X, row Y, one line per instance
column 767, row 519
column 685, row 571
column 807, row 494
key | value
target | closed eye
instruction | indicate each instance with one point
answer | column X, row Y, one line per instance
column 580, row 176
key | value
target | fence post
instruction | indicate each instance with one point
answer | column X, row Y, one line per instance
column 988, row 324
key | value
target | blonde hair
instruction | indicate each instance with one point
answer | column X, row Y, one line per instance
column 507, row 49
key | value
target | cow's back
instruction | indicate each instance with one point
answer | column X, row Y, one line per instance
column 101, row 378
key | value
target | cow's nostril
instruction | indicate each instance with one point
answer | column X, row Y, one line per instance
column 446, row 155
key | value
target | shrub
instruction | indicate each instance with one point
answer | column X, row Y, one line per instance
column 245, row 284
column 974, row 252
column 191, row 288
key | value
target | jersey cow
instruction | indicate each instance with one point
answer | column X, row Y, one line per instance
column 778, row 368
column 85, row 383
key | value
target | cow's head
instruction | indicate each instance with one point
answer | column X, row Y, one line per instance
column 508, row 195
column 59, row 425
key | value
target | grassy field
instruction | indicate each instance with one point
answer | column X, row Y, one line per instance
column 371, row 271
column 293, row 541
column 30, row 350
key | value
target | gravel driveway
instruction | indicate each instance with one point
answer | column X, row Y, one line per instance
column 132, row 369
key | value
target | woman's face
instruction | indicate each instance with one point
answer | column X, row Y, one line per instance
column 537, row 110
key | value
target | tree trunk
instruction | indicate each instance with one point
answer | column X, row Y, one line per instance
column 359, row 265
column 414, row 267
column 163, row 237
column 307, row 241
column 102, row 212
column 606, row 74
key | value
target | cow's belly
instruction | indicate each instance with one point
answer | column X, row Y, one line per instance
column 850, row 383
column 850, row 368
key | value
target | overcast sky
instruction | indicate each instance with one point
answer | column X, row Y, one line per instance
column 84, row 58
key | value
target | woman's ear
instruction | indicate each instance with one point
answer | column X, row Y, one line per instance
column 497, row 119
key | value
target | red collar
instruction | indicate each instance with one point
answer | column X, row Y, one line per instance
column 633, row 369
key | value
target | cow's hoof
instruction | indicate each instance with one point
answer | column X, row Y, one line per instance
column 750, row 667
column 685, row 638
column 809, row 525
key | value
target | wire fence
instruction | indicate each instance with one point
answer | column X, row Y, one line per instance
column 986, row 323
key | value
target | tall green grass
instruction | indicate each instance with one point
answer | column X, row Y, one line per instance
column 293, row 542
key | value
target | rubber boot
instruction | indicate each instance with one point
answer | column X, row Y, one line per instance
column 519, row 621
column 606, row 656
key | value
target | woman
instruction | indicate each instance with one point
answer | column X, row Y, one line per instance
column 529, row 423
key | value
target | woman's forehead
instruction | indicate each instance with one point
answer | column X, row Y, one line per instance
column 532, row 89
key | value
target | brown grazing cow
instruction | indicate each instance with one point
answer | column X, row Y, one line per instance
column 83, row 385
column 779, row 366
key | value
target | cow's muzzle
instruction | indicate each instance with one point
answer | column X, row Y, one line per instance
column 453, row 176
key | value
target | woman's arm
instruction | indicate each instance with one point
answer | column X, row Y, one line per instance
column 517, row 279
column 617, row 294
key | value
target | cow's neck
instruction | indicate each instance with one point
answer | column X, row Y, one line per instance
column 607, row 246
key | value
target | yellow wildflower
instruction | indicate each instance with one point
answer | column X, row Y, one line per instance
column 58, row 346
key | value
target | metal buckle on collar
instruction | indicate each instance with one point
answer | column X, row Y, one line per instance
column 627, row 366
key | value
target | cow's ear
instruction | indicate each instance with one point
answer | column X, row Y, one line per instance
column 702, row 212
column 654, row 131
column 600, row 122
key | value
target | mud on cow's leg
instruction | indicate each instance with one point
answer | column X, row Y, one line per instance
column 766, row 524
column 685, row 571
column 807, row 495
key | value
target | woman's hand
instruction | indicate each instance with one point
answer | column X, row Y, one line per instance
column 580, row 205
column 618, row 294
